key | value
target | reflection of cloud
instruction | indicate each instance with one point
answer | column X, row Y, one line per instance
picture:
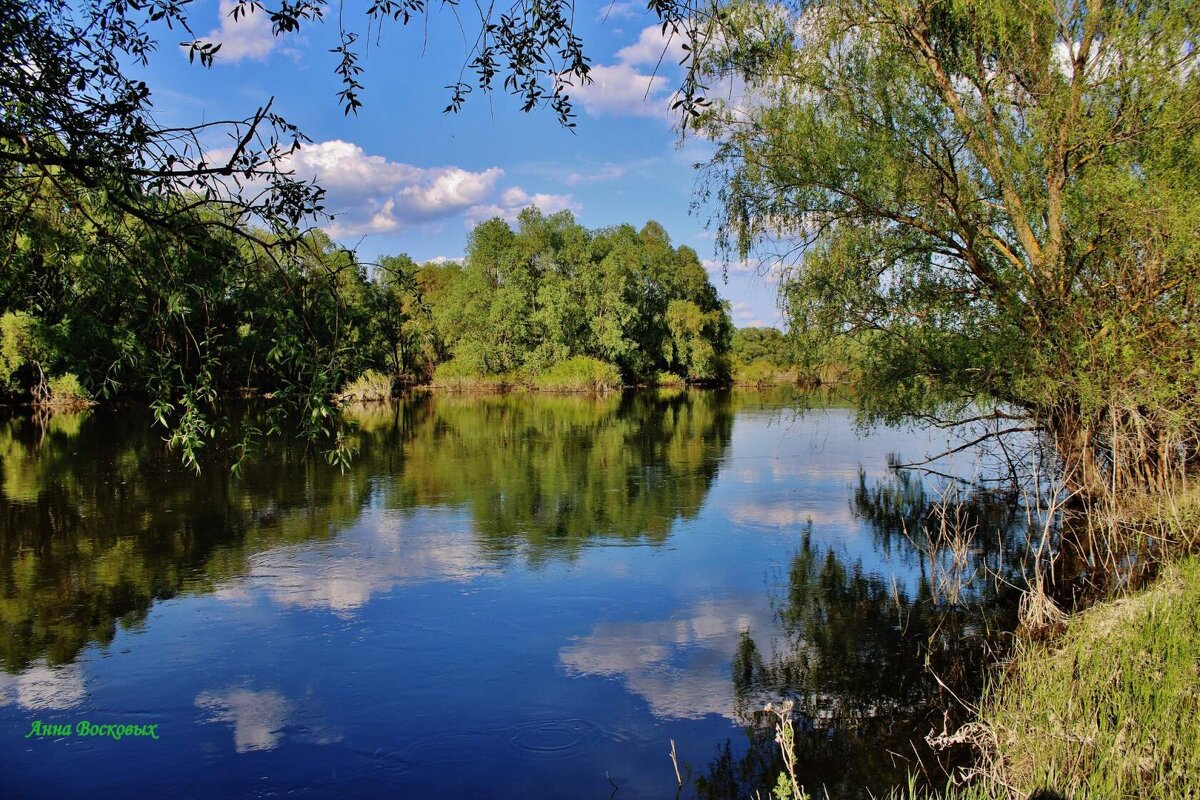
column 376, row 556
column 782, row 515
column 680, row 666
column 43, row 687
column 258, row 717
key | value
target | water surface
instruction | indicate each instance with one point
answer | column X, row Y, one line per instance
column 509, row 596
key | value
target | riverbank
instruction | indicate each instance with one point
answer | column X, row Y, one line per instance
column 1106, row 710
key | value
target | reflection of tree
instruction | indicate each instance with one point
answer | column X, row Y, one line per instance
column 547, row 473
column 870, row 669
column 99, row 520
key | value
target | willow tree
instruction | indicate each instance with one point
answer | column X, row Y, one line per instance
column 999, row 198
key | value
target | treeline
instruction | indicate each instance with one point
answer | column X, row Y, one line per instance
column 89, row 309
column 551, row 298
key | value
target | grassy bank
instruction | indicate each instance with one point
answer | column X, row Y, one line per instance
column 579, row 374
column 1111, row 709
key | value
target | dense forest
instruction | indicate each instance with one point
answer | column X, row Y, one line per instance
column 547, row 303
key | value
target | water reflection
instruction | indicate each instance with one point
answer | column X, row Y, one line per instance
column 41, row 687
column 680, row 665
column 100, row 521
column 872, row 664
column 258, row 718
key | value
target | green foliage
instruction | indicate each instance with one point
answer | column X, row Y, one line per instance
column 762, row 373
column 16, row 343
column 699, row 341
column 762, row 344
column 66, row 390
column 1003, row 199
column 579, row 374
column 371, row 386
column 551, row 291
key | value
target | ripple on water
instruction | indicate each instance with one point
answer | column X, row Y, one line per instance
column 553, row 738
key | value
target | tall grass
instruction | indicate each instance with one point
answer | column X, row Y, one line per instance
column 371, row 386
column 579, row 374
column 1112, row 709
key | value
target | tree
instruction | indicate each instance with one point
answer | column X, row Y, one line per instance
column 1001, row 196
column 83, row 159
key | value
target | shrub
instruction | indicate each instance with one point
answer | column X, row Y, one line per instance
column 371, row 386
column 66, row 391
column 762, row 372
column 579, row 374
column 459, row 375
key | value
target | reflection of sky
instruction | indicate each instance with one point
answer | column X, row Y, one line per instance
column 42, row 687
column 396, row 659
column 383, row 550
column 258, row 717
column 679, row 665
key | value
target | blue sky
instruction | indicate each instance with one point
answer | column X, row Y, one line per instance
column 403, row 177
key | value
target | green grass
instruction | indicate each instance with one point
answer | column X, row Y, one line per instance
column 1112, row 710
column 579, row 374
column 371, row 386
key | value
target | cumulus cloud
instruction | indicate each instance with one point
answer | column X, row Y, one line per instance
column 632, row 85
column 623, row 90
column 249, row 36
column 513, row 200
column 653, row 47
column 371, row 194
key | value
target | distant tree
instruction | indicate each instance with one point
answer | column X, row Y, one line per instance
column 762, row 344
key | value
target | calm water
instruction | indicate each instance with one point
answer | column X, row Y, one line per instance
column 502, row 597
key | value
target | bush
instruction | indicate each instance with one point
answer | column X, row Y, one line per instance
column 371, row 386
column 665, row 380
column 761, row 372
column 66, row 391
column 579, row 374
column 458, row 375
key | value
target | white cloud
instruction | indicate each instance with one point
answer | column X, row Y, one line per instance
column 448, row 188
column 370, row 194
column 249, row 36
column 652, row 47
column 513, row 200
column 623, row 90
column 634, row 85
column 616, row 10
column 607, row 172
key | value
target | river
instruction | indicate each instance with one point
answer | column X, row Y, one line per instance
column 501, row 597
